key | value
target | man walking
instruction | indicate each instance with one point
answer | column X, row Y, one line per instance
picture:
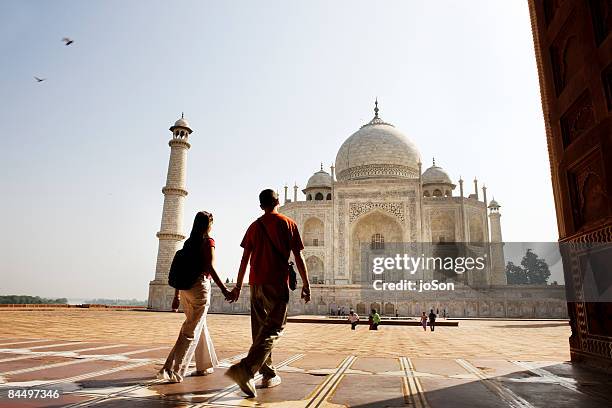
column 432, row 320
column 353, row 318
column 267, row 245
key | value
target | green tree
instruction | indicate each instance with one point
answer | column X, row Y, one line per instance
column 516, row 275
column 536, row 267
column 532, row 271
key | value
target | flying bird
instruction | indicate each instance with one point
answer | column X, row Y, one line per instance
column 39, row 79
column 67, row 41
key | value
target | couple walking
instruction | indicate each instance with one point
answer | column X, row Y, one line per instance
column 432, row 320
column 267, row 245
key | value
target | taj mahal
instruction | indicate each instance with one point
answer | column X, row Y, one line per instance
column 376, row 196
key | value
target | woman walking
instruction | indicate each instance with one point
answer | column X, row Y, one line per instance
column 194, row 337
column 424, row 321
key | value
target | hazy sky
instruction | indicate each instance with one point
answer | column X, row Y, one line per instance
column 271, row 89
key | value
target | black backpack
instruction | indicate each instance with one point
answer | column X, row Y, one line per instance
column 186, row 267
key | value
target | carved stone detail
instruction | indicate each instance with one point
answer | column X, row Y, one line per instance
column 343, row 206
column 578, row 119
column 601, row 13
column 380, row 170
column 566, row 54
column 588, row 191
column 356, row 209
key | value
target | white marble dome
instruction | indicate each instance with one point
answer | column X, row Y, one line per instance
column 376, row 150
column 435, row 175
column 320, row 179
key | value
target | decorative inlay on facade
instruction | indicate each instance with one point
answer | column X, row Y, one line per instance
column 373, row 170
column 342, row 206
column 357, row 209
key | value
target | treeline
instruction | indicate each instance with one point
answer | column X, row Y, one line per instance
column 30, row 300
column 116, row 302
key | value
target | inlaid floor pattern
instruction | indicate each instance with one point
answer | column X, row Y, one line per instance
column 108, row 374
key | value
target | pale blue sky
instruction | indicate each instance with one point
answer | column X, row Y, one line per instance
column 271, row 89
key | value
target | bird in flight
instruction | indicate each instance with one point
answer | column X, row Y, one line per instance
column 67, row 41
column 39, row 79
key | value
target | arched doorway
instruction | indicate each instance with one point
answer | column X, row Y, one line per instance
column 314, row 232
column 375, row 228
column 316, row 271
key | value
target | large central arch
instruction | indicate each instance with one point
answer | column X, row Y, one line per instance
column 373, row 224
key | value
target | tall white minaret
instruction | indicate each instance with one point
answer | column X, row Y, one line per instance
column 498, row 272
column 170, row 233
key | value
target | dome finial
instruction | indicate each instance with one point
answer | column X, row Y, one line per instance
column 434, row 161
column 321, row 166
column 182, row 115
column 376, row 107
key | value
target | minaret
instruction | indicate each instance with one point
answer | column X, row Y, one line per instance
column 498, row 267
column 286, row 188
column 464, row 237
column 295, row 189
column 170, row 233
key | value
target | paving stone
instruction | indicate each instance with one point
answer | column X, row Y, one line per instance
column 471, row 365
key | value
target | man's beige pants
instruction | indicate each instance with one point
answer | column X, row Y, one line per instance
column 268, row 319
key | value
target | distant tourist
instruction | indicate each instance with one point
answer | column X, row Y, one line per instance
column 267, row 244
column 374, row 320
column 194, row 337
column 424, row 321
column 353, row 318
column 432, row 320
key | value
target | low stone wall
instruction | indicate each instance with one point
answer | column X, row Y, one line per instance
column 508, row 301
column 22, row 306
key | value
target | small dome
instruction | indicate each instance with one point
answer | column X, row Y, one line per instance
column 435, row 175
column 494, row 204
column 320, row 179
column 181, row 123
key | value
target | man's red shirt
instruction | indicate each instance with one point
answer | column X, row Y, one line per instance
column 267, row 266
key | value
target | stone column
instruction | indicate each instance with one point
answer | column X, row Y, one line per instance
column 170, row 233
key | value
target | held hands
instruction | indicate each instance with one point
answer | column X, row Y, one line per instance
column 233, row 295
column 224, row 291
column 306, row 293
column 175, row 303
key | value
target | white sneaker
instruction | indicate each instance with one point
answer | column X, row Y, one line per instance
column 200, row 373
column 271, row 382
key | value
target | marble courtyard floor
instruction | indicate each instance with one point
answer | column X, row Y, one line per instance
column 108, row 358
